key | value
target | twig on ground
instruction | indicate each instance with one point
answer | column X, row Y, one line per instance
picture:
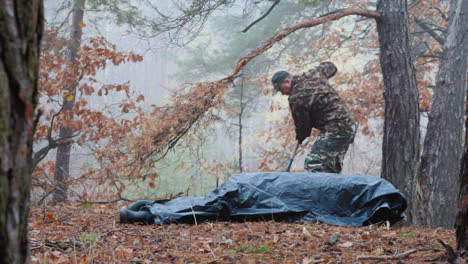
column 451, row 255
column 33, row 248
column 59, row 245
column 397, row 256
column 386, row 257
column 118, row 230
column 106, row 202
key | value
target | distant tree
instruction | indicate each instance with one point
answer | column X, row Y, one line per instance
column 21, row 24
column 93, row 126
column 62, row 160
column 67, row 96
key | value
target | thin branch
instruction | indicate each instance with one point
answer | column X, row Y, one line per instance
column 429, row 56
column 63, row 22
column 52, row 144
column 333, row 12
column 396, row 256
column 54, row 188
column 429, row 30
column 40, row 154
column 386, row 257
column 46, row 195
column 442, row 14
column 262, row 17
column 449, row 251
column 107, row 202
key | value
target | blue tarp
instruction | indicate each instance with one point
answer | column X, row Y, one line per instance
column 324, row 197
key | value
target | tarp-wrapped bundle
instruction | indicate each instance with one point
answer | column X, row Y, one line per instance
column 324, row 197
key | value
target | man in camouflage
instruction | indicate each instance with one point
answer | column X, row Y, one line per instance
column 315, row 104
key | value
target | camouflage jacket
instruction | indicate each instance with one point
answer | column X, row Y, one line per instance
column 315, row 104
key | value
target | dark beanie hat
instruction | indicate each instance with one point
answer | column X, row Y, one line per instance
column 278, row 79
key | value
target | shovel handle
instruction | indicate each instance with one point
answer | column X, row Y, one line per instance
column 291, row 159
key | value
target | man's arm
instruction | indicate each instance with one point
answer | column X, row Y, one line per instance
column 301, row 116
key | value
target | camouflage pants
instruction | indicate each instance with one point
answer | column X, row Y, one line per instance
column 328, row 152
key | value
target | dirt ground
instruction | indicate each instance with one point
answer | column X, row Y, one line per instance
column 91, row 234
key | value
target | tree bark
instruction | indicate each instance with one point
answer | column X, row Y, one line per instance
column 461, row 223
column 438, row 181
column 21, row 24
column 62, row 160
column 401, row 125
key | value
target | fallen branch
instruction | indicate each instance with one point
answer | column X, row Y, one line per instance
column 106, row 202
column 386, row 257
column 396, row 256
column 119, row 230
column 61, row 245
column 449, row 251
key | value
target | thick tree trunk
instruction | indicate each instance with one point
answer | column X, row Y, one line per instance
column 62, row 160
column 20, row 34
column 461, row 223
column 438, row 181
column 401, row 127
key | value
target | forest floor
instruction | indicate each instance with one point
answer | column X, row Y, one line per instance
column 92, row 234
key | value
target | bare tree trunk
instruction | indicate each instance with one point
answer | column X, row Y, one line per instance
column 241, row 113
column 461, row 223
column 401, row 126
column 21, row 24
column 62, row 160
column 438, row 181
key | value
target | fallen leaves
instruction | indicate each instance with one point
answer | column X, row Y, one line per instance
column 50, row 216
column 345, row 244
column 92, row 235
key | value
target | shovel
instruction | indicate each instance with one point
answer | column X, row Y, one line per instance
column 291, row 159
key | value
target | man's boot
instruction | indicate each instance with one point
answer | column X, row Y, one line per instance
column 128, row 216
